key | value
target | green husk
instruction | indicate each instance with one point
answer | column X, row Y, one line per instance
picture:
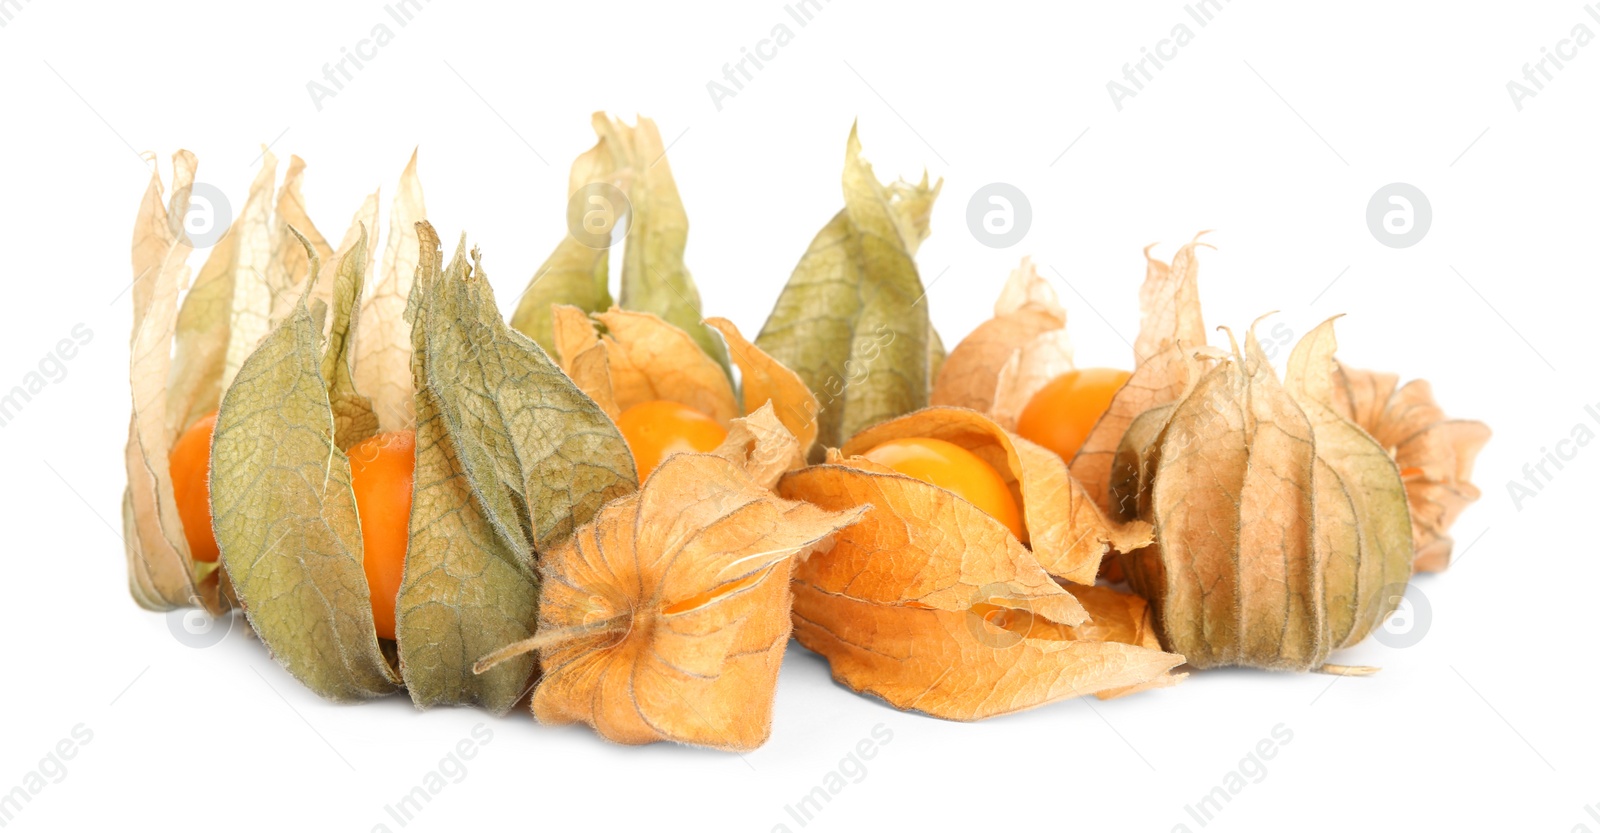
column 852, row 320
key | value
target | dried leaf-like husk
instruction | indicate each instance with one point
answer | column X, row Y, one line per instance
column 192, row 349
column 934, row 606
column 1435, row 452
column 650, row 358
column 1067, row 533
column 353, row 417
column 541, row 456
column 161, row 575
column 1115, row 616
column 668, row 615
column 252, row 236
column 764, row 380
column 363, row 223
column 199, row 357
column 762, row 446
column 1363, row 522
column 285, row 515
column 852, row 321
column 654, row 277
column 1026, row 310
column 511, row 457
column 641, row 358
column 583, row 356
column 1281, row 528
column 383, row 354
column 290, row 265
column 575, row 273
column 465, row 591
column 156, row 228
column 1170, row 329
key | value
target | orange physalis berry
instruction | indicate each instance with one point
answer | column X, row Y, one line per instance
column 949, row 466
column 658, row 428
column 190, row 465
column 381, row 469
column 1063, row 412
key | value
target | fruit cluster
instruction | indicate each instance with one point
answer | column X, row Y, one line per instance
column 628, row 509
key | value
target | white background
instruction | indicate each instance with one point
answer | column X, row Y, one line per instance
column 1273, row 126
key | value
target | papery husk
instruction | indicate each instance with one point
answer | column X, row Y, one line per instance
column 762, row 446
column 1435, row 452
column 650, row 359
column 654, row 276
column 1027, row 318
column 511, row 457
column 253, row 298
column 199, row 355
column 1067, row 533
column 161, row 575
column 1026, row 310
column 575, row 274
column 640, row 358
column 932, row 605
column 666, row 618
column 178, row 371
column 765, row 380
column 283, row 508
column 1281, row 528
column 255, row 267
column 289, row 267
column 853, row 319
column 1115, row 616
column 383, row 354
column 1171, row 329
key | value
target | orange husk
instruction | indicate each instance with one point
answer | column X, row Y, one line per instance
column 763, row 379
column 932, row 605
column 1434, row 452
column 1002, row 359
column 997, row 370
column 762, row 446
column 648, row 359
column 1068, row 534
column 1115, row 616
column 666, row 617
column 640, row 357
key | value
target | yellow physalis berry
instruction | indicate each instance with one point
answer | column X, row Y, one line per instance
column 660, row 427
column 1063, row 412
column 949, row 466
